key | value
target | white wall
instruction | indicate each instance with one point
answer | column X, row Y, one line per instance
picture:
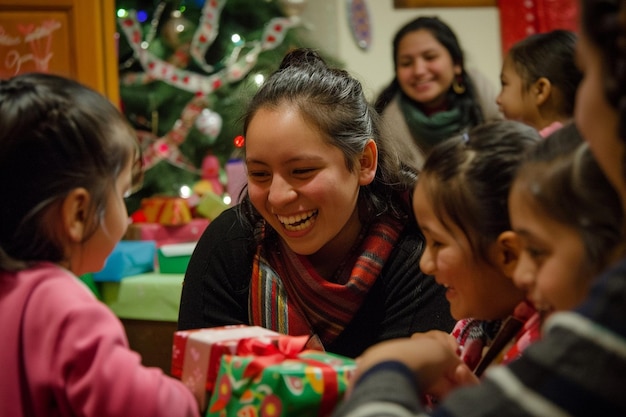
column 478, row 30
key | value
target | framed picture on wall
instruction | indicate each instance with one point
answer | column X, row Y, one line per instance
column 406, row 4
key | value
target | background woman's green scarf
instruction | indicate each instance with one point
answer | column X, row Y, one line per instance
column 427, row 131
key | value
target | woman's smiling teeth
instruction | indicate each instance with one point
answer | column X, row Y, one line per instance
column 299, row 221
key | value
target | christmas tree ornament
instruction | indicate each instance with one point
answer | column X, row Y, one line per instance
column 292, row 8
column 209, row 123
column 239, row 141
column 177, row 30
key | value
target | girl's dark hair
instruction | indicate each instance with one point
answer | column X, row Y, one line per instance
column 467, row 179
column 55, row 136
column 334, row 101
column 563, row 180
column 550, row 55
column 467, row 101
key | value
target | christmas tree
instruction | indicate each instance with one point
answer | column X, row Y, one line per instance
column 187, row 70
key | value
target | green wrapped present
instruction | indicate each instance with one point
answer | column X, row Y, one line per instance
column 305, row 384
column 173, row 258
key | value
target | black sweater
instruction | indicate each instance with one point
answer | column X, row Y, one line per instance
column 402, row 301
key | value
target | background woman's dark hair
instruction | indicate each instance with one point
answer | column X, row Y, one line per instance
column 565, row 182
column 467, row 178
column 467, row 101
column 55, row 136
column 334, row 101
column 550, row 55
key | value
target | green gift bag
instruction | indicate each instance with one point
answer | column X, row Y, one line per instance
column 308, row 384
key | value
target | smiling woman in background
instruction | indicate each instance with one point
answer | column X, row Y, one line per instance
column 433, row 96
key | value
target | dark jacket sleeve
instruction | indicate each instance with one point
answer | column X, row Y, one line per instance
column 215, row 289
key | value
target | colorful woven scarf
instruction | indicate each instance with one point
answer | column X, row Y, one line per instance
column 287, row 294
column 473, row 337
column 500, row 341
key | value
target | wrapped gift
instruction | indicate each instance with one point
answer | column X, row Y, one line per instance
column 280, row 382
column 211, row 205
column 128, row 258
column 174, row 258
column 196, row 354
column 167, row 234
column 166, row 210
column 148, row 297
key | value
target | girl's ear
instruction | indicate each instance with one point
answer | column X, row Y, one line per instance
column 368, row 161
column 541, row 89
column 74, row 212
column 509, row 249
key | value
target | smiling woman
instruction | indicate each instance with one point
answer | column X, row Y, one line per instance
column 323, row 243
column 432, row 96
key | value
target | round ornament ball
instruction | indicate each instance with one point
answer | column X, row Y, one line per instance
column 209, row 123
column 177, row 30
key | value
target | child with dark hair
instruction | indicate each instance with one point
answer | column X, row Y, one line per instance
column 460, row 205
column 568, row 219
column 433, row 95
column 67, row 159
column 324, row 242
column 539, row 80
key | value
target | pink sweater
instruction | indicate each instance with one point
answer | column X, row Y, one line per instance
column 63, row 353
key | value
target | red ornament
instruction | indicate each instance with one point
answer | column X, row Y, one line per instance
column 239, row 141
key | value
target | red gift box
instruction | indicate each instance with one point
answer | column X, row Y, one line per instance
column 164, row 234
column 196, row 354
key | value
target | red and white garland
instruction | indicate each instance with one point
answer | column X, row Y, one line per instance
column 237, row 66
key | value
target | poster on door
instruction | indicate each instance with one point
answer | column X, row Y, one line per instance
column 34, row 42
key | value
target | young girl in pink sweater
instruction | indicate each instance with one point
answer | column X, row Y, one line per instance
column 67, row 159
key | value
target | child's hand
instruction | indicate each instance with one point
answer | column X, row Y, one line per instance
column 430, row 356
column 455, row 377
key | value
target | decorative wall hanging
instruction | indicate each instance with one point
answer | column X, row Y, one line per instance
column 360, row 23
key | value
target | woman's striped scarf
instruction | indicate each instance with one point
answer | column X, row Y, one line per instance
column 287, row 294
